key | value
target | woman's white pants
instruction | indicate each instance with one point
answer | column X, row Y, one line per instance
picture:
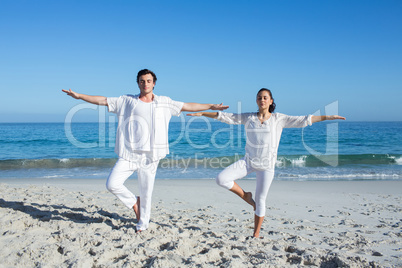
column 121, row 171
column 239, row 170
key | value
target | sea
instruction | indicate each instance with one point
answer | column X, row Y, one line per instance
column 200, row 149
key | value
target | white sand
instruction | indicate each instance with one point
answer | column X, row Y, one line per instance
column 195, row 223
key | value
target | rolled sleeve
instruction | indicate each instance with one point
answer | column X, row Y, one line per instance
column 175, row 107
column 309, row 120
column 112, row 104
column 288, row 121
column 219, row 117
column 225, row 117
column 231, row 118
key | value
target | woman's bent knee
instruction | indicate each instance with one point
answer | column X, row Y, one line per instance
column 224, row 183
column 218, row 181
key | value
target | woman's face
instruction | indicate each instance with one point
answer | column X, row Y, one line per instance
column 264, row 100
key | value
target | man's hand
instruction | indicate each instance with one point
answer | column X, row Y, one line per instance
column 98, row 100
column 219, row 107
column 71, row 93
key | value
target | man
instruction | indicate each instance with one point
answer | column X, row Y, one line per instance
column 141, row 139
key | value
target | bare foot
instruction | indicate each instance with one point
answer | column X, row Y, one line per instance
column 136, row 208
column 248, row 197
column 137, row 231
column 254, row 236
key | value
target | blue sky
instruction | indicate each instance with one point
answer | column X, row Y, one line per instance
column 309, row 53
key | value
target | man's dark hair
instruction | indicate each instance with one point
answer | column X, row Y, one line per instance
column 144, row 72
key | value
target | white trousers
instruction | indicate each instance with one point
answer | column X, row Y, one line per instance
column 146, row 178
column 239, row 170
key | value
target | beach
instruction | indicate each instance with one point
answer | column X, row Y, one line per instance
column 195, row 223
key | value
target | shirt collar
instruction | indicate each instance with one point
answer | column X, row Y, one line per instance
column 156, row 97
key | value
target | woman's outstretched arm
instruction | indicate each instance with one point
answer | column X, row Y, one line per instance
column 196, row 107
column 315, row 118
column 213, row 115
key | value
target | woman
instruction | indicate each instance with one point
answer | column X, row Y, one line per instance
column 263, row 133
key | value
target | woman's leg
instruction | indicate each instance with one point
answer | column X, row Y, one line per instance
column 227, row 177
column 257, row 225
column 246, row 196
column 264, row 180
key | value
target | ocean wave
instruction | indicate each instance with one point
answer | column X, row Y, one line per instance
column 398, row 160
column 289, row 161
column 283, row 161
column 56, row 163
column 338, row 160
column 340, row 175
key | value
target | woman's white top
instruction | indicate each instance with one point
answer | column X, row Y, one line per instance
column 143, row 127
column 262, row 139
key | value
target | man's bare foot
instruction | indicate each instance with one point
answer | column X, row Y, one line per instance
column 248, row 197
column 136, row 209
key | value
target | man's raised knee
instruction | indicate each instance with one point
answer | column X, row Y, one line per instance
column 111, row 187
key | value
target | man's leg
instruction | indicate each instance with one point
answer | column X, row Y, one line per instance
column 146, row 179
column 115, row 182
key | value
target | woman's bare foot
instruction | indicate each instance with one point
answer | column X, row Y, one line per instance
column 257, row 225
column 254, row 236
column 248, row 197
column 136, row 209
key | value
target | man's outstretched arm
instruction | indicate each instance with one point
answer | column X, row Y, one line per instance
column 197, row 107
column 98, row 100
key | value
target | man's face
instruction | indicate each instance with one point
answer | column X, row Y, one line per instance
column 146, row 83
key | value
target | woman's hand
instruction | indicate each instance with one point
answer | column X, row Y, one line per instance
column 196, row 114
column 319, row 118
column 335, row 117
column 213, row 115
